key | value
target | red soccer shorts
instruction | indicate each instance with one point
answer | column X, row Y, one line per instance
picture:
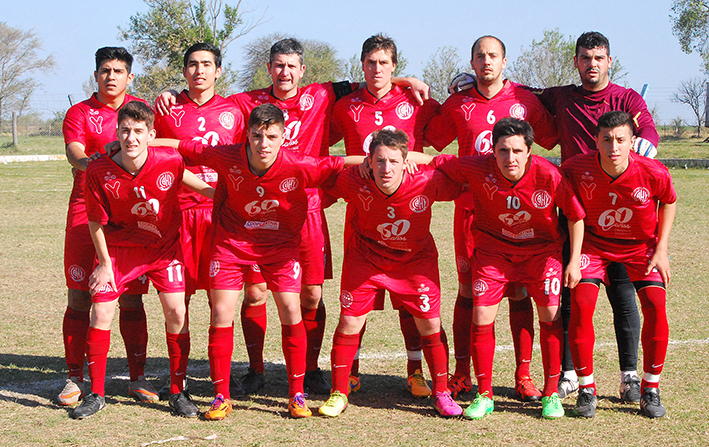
column 594, row 262
column 80, row 259
column 463, row 238
column 164, row 268
column 196, row 240
column 413, row 285
column 283, row 276
column 494, row 273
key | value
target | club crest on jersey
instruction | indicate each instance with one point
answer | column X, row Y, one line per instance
column 462, row 264
column 288, row 185
column 177, row 113
column 584, row 262
column 76, row 273
column 404, row 111
column 213, row 268
column 468, row 110
column 165, row 181
column 541, row 199
column 511, row 220
column 419, row 204
column 640, row 194
column 518, row 111
column 113, row 188
column 346, row 299
column 615, row 218
column 96, row 121
column 226, row 119
column 307, row 102
column 480, row 287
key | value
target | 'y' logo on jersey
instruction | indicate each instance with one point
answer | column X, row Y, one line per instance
column 113, row 189
column 97, row 123
column 490, row 190
column 366, row 200
column 468, row 110
column 588, row 188
column 356, row 111
column 177, row 116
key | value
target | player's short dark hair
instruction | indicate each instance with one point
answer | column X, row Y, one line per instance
column 477, row 42
column 615, row 118
column 113, row 53
column 592, row 39
column 508, row 127
column 204, row 46
column 395, row 139
column 379, row 42
column 266, row 115
column 286, row 46
column 138, row 111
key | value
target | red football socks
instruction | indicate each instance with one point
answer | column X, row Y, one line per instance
column 134, row 330
column 294, row 341
column 97, row 343
column 522, row 327
column 344, row 348
column 435, row 352
column 221, row 346
column 253, row 323
column 582, row 336
column 483, row 345
column 178, row 350
column 75, row 327
column 655, row 331
column 314, row 321
column 551, row 336
column 412, row 340
column 462, row 322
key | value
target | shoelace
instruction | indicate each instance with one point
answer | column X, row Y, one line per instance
column 419, row 380
column 333, row 400
column 299, row 400
column 217, row 403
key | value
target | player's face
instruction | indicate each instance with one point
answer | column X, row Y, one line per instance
column 488, row 61
column 378, row 69
column 593, row 65
column 387, row 168
column 512, row 155
column 264, row 145
column 134, row 137
column 201, row 71
column 614, row 147
column 113, row 78
column 286, row 71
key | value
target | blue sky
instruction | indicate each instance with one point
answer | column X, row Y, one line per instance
column 639, row 31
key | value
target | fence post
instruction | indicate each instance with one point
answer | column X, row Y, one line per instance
column 706, row 108
column 14, row 128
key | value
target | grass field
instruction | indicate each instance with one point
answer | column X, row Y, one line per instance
column 33, row 198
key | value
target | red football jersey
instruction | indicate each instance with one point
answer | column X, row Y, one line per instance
column 470, row 117
column 621, row 213
column 137, row 210
column 358, row 114
column 392, row 229
column 214, row 122
column 307, row 116
column 519, row 218
column 261, row 217
column 92, row 124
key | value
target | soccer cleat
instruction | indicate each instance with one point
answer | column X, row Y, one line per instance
column 586, row 403
column 164, row 392
column 459, row 385
column 630, row 390
column 298, row 408
column 143, row 390
column 219, row 409
column 72, row 392
column 526, row 390
column 650, row 403
column 252, row 381
column 354, row 384
column 480, row 407
column 92, row 404
column 316, row 383
column 417, row 385
column 551, row 407
column 335, row 405
column 445, row 405
column 182, row 405
column 567, row 387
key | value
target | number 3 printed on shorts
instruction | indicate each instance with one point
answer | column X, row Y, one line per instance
column 425, row 305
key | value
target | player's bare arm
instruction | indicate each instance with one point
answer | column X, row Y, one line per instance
column 164, row 102
column 197, row 185
column 76, row 155
column 572, row 274
column 103, row 273
column 661, row 259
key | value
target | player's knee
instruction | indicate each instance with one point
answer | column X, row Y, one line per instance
column 255, row 294
column 465, row 289
column 79, row 300
column 128, row 301
column 311, row 296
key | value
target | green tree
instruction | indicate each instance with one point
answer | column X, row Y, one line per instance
column 159, row 37
column 690, row 24
column 19, row 61
column 319, row 58
column 443, row 65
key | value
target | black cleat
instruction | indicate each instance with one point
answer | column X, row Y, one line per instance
column 90, row 405
column 650, row 403
column 315, row 382
column 586, row 403
column 252, row 381
column 630, row 390
column 182, row 405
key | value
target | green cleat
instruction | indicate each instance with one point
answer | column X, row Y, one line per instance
column 481, row 406
column 335, row 405
column 551, row 407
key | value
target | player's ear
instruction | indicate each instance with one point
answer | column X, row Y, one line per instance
column 151, row 135
column 302, row 70
column 130, row 78
column 218, row 72
column 610, row 61
column 576, row 62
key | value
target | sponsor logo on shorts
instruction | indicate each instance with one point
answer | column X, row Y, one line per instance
column 226, row 119
column 640, row 194
column 213, row 268
column 346, row 299
column 147, row 226
column 306, row 102
column 404, row 111
column 518, row 111
column 143, row 279
column 462, row 263
column 541, row 199
column 480, row 287
column 106, row 288
column 584, row 262
column 76, row 273
column 288, row 185
column 419, row 204
column 615, row 218
column 423, row 288
column 165, row 181
column 510, row 219
column 255, row 268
